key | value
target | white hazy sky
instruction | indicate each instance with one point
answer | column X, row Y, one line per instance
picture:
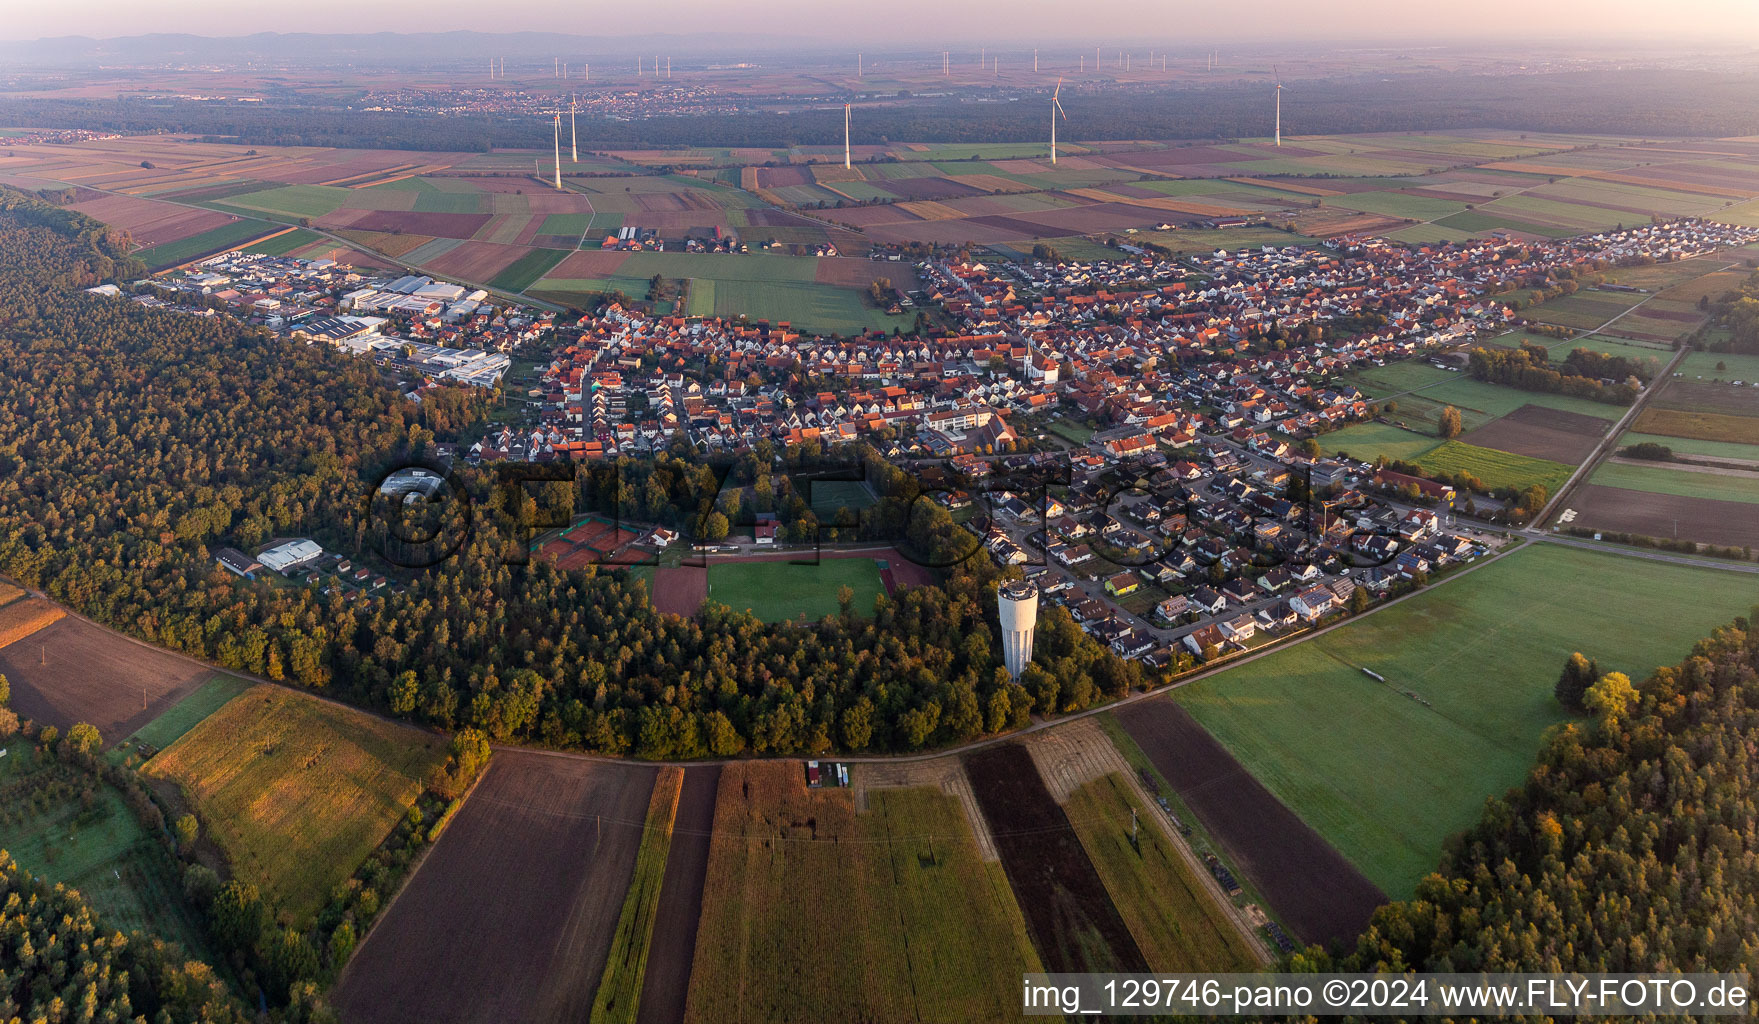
column 900, row 21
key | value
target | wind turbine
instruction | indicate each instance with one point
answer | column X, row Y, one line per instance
column 558, row 152
column 846, row 164
column 1279, row 105
column 573, row 138
column 1056, row 110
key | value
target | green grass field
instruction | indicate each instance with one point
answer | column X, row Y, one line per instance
column 525, row 271
column 804, row 894
column 102, row 851
column 619, row 992
column 1694, row 446
column 297, row 791
column 1734, row 366
column 1172, row 916
column 778, row 591
column 281, row 245
column 1386, row 779
column 830, row 495
column 295, row 200
column 1683, row 482
column 187, row 713
column 172, row 253
column 1369, row 441
column 1496, row 468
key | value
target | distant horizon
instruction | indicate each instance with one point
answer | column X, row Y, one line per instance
column 926, row 25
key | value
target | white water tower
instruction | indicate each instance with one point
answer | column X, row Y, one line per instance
column 1017, row 607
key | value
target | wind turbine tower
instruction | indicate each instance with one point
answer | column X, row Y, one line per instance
column 573, row 138
column 858, row 65
column 1279, row 108
column 1056, row 111
column 558, row 152
column 1035, row 60
column 668, row 69
column 846, row 164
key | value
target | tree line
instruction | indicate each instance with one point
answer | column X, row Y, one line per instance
column 1617, row 103
column 1579, row 375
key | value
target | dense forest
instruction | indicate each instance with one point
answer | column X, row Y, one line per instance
column 135, row 442
column 1662, row 103
column 1633, row 846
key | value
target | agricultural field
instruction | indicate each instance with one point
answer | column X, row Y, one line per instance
column 619, row 991
column 511, row 915
column 177, row 720
column 1663, row 478
column 1733, row 451
column 99, row 848
column 1540, row 433
column 297, row 791
column 68, row 670
column 214, row 240
column 1318, row 894
column 1497, row 469
column 1385, row 777
column 1667, row 516
column 816, row 912
column 672, row 945
column 776, row 591
column 1074, row 922
column 1703, row 426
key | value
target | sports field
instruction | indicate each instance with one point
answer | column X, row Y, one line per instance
column 297, row 791
column 780, row 590
column 1386, row 778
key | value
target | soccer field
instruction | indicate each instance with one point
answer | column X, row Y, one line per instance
column 777, row 591
column 1386, row 778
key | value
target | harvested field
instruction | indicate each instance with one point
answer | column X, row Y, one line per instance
column 20, row 620
column 510, row 917
column 813, row 912
column 73, row 671
column 1695, row 396
column 1312, row 887
column 476, row 261
column 9, row 593
column 151, row 223
column 1703, row 426
column 1652, row 514
column 1073, row 923
column 673, row 946
column 395, row 246
column 1172, row 913
column 440, row 225
column 296, row 790
column 1541, row 433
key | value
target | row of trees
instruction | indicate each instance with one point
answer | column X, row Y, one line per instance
column 1529, row 369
